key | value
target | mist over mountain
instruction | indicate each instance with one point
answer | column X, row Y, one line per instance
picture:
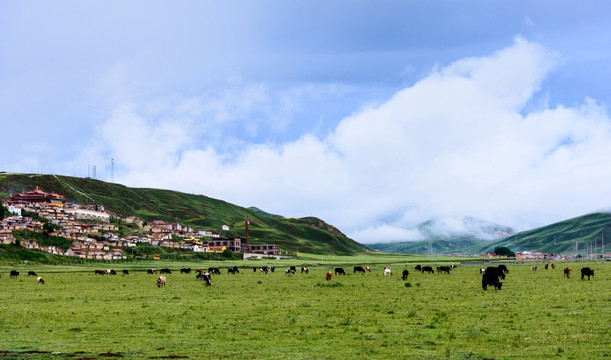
column 464, row 226
column 458, row 234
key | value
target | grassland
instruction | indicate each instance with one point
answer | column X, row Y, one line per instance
column 78, row 315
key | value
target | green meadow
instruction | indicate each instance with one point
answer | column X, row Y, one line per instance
column 251, row 315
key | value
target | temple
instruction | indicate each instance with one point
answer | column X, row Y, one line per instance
column 36, row 196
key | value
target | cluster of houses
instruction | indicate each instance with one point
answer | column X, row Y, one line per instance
column 86, row 225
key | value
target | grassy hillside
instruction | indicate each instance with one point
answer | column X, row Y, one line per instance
column 560, row 237
column 310, row 234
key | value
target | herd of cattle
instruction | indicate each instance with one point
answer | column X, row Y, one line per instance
column 491, row 276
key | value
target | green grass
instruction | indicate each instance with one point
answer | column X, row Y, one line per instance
column 537, row 315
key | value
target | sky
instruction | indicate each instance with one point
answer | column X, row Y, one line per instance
column 374, row 116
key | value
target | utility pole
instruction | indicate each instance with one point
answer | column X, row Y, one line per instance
column 602, row 244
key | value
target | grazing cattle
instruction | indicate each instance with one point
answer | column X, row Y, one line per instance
column 31, row 273
column 40, row 280
column 206, row 277
column 533, row 268
column 289, row 272
column 586, row 271
column 99, row 272
column 553, row 266
column 14, row 273
column 151, row 271
column 490, row 278
column 165, row 271
column 339, row 271
column 185, row 270
column 496, row 271
column 161, row 281
column 214, row 271
column 304, row 269
column 453, row 266
column 197, row 271
column 231, row 271
column 293, row 269
column 254, row 269
column 567, row 273
column 387, row 271
column 111, row 272
column 546, row 265
column 359, row 269
column 404, row 275
column 428, row 269
column 125, row 272
column 418, row 268
column 368, row 268
column 503, row 268
column 264, row 269
column 235, row 270
column 445, row 269
column 328, row 275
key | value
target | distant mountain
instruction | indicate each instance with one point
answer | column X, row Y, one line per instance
column 461, row 235
column 258, row 211
column 453, row 245
column 587, row 231
column 561, row 237
column 308, row 234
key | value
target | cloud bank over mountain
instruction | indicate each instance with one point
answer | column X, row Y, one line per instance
column 474, row 138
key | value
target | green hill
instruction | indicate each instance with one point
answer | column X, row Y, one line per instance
column 560, row 237
column 309, row 234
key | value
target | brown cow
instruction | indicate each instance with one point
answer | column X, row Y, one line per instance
column 567, row 272
column 161, row 281
column 553, row 266
column 328, row 275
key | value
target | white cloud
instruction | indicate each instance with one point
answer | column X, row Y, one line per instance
column 458, row 142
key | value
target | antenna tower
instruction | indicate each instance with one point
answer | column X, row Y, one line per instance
column 94, row 171
column 112, row 170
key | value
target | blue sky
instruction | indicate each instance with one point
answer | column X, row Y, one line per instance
column 373, row 115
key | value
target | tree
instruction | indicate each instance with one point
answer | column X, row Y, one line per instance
column 3, row 212
column 48, row 228
column 227, row 254
column 504, row 251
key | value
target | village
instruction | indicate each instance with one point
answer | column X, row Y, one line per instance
column 94, row 236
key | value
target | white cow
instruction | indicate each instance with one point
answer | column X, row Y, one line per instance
column 387, row 271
